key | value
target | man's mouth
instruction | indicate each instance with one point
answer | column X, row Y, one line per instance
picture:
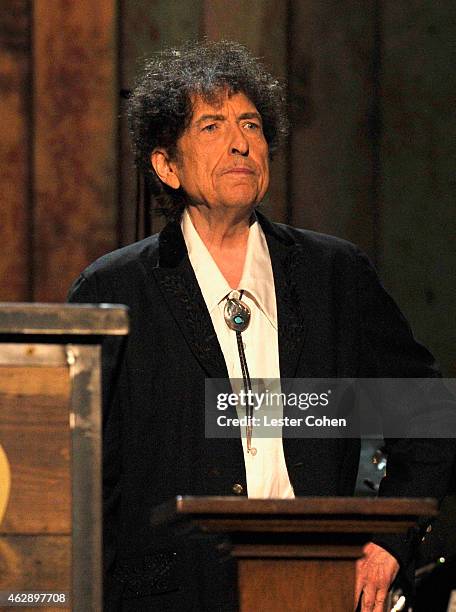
column 239, row 170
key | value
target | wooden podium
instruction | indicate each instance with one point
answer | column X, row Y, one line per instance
column 296, row 555
column 50, row 450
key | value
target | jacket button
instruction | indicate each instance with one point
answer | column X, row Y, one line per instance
column 238, row 489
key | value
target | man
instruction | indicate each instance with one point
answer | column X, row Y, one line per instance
column 205, row 120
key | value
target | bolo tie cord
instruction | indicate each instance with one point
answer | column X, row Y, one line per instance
column 237, row 317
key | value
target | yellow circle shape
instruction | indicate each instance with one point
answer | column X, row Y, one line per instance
column 5, row 482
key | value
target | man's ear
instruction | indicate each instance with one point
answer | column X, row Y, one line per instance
column 164, row 168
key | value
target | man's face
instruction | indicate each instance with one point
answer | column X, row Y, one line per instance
column 223, row 155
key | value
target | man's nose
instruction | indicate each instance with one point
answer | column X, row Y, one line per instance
column 239, row 144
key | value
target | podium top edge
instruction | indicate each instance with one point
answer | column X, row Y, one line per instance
column 68, row 319
column 316, row 517
column 412, row 507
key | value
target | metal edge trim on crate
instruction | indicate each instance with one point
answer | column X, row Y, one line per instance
column 63, row 319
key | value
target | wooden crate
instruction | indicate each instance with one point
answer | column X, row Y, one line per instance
column 50, row 449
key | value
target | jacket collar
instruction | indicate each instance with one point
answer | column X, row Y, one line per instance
column 180, row 289
column 290, row 279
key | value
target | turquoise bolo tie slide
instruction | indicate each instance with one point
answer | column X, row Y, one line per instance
column 237, row 314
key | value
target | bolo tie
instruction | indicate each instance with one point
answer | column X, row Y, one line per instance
column 237, row 317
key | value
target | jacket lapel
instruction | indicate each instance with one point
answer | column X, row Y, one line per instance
column 180, row 289
column 288, row 266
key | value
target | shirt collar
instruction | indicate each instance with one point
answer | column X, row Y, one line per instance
column 213, row 284
column 257, row 277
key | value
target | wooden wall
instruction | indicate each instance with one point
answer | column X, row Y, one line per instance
column 15, row 130
column 370, row 158
column 59, row 159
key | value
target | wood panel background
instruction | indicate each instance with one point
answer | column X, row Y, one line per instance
column 370, row 158
column 15, row 146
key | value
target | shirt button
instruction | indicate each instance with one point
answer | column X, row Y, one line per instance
column 238, row 489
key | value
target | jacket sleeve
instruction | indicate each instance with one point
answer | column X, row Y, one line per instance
column 416, row 467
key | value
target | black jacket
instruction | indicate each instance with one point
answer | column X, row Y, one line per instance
column 334, row 320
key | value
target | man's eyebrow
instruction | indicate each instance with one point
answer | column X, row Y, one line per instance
column 251, row 115
column 210, row 117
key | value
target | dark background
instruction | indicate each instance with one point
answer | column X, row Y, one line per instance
column 371, row 156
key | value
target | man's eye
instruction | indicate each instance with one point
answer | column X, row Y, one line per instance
column 252, row 126
column 211, row 127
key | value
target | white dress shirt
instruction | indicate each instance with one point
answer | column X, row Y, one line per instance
column 266, row 471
